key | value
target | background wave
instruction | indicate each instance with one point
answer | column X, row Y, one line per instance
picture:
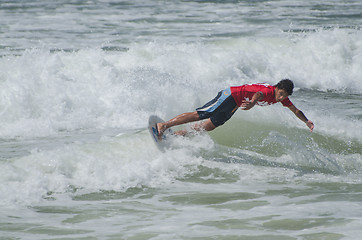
column 43, row 93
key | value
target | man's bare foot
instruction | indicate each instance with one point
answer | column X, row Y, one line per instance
column 160, row 129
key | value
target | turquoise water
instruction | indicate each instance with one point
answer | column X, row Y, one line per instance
column 79, row 80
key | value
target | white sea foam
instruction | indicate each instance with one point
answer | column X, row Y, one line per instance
column 43, row 93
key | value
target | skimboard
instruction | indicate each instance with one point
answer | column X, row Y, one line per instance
column 162, row 143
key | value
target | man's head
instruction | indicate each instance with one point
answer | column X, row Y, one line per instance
column 284, row 88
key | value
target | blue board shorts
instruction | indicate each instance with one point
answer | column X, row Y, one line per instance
column 220, row 109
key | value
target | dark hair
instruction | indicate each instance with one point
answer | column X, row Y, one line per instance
column 286, row 85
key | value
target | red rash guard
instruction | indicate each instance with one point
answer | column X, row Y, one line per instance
column 246, row 92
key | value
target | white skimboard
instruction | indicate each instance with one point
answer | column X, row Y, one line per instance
column 162, row 143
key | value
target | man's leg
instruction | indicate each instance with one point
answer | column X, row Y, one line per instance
column 207, row 125
column 178, row 120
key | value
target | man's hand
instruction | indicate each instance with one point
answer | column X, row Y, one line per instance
column 310, row 124
column 246, row 105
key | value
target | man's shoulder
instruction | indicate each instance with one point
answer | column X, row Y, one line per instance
column 286, row 102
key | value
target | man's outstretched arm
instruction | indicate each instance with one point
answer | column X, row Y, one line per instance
column 302, row 117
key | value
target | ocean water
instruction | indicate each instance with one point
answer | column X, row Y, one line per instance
column 79, row 79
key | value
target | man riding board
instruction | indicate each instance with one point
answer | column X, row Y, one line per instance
column 224, row 105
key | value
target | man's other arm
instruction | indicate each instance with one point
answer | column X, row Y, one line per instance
column 302, row 117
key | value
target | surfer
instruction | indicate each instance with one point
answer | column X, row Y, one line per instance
column 224, row 105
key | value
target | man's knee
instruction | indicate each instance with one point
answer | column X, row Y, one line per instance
column 208, row 125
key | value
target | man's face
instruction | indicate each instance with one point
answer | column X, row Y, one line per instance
column 280, row 94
